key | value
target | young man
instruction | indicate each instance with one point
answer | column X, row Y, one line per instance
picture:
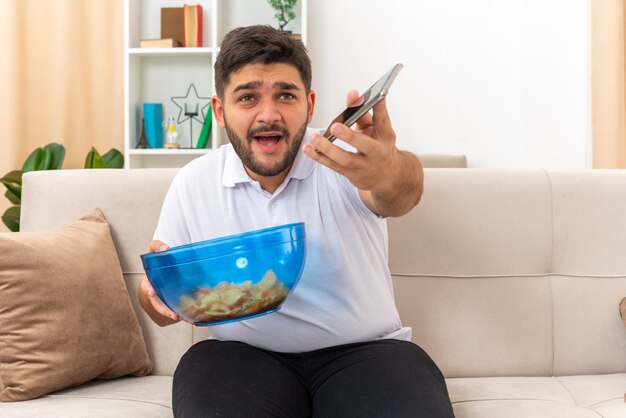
column 337, row 347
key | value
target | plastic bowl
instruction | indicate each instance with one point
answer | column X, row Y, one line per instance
column 229, row 278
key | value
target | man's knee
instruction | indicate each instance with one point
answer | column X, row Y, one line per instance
column 233, row 379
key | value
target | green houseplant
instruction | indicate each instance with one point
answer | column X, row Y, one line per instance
column 49, row 157
column 284, row 11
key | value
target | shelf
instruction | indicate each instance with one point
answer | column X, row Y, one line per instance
column 165, row 151
column 160, row 75
column 171, row 51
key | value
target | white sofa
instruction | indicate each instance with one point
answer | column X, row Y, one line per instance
column 510, row 279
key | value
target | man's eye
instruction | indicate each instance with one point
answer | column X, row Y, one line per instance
column 286, row 96
column 247, row 98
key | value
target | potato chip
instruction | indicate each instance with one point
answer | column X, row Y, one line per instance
column 228, row 300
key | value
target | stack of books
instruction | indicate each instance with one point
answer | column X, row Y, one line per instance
column 158, row 43
column 180, row 26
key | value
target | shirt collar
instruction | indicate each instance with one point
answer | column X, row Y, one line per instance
column 234, row 171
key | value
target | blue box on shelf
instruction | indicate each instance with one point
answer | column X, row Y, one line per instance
column 153, row 116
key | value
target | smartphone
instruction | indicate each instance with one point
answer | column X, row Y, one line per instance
column 366, row 101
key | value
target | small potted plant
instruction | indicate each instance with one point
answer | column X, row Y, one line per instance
column 49, row 157
column 284, row 12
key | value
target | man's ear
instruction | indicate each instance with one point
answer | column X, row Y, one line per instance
column 218, row 111
column 311, row 105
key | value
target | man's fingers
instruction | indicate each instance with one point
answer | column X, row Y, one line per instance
column 156, row 246
column 354, row 99
column 382, row 122
column 319, row 157
column 147, row 287
column 351, row 99
column 162, row 308
column 358, row 140
column 158, row 305
column 334, row 157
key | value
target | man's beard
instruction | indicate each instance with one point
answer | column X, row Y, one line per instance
column 244, row 148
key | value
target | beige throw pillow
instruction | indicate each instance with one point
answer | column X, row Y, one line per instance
column 65, row 314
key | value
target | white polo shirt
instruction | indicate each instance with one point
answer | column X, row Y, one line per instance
column 345, row 292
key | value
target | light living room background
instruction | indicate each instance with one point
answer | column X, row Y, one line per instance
column 513, row 83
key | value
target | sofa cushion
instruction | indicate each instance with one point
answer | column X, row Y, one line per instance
column 538, row 397
column 453, row 316
column 65, row 314
column 126, row 397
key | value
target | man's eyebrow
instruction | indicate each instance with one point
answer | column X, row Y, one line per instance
column 279, row 85
column 283, row 85
column 247, row 86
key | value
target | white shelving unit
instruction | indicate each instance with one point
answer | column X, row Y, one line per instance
column 155, row 75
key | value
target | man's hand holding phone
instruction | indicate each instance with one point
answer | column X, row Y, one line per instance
column 374, row 140
column 389, row 181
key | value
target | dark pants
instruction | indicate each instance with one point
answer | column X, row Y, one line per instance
column 382, row 378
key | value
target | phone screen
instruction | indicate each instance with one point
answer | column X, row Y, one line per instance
column 366, row 101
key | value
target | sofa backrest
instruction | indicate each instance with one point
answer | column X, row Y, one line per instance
column 498, row 272
column 505, row 272
column 443, row 161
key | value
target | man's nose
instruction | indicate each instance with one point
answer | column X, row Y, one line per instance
column 268, row 112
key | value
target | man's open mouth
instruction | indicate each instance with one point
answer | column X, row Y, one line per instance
column 268, row 141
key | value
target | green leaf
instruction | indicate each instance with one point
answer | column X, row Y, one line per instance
column 34, row 160
column 12, row 178
column 113, row 159
column 13, row 183
column 94, row 160
column 11, row 218
column 14, row 196
column 49, row 157
column 57, row 154
column 46, row 160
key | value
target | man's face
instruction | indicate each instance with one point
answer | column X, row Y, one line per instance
column 265, row 111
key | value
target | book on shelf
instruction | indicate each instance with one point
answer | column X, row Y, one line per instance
column 173, row 24
column 193, row 25
column 158, row 43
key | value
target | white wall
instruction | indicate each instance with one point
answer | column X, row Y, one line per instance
column 505, row 82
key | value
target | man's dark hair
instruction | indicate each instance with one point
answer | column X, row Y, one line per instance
column 259, row 44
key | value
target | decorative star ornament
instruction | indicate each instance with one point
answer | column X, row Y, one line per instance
column 203, row 104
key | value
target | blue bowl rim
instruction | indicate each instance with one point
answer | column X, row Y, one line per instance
column 229, row 244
